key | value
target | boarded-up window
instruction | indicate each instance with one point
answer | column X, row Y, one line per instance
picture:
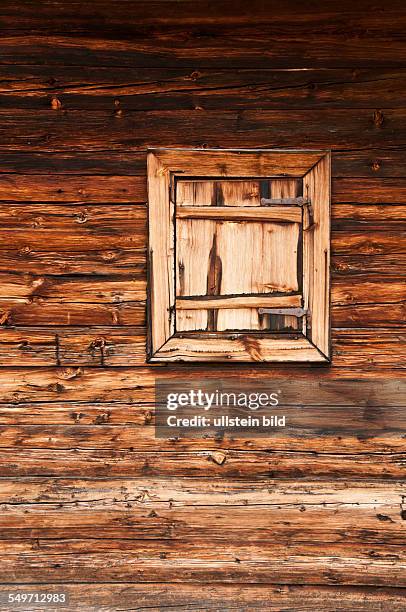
column 239, row 255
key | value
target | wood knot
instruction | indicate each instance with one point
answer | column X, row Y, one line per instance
column 195, row 75
column 56, row 388
column 148, row 417
column 38, row 282
column 103, row 418
column 378, row 118
column 81, row 217
column 376, row 165
column 99, row 346
column 56, row 104
column 218, row 457
column 5, row 317
column 24, row 251
column 38, row 222
column 24, row 345
column 118, row 112
column 76, row 416
column 70, row 373
column 109, row 256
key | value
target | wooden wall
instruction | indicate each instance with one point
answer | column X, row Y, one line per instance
column 87, row 494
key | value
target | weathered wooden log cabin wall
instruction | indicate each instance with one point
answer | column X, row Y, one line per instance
column 88, row 495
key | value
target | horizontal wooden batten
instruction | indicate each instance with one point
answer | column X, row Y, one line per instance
column 244, row 301
column 279, row 214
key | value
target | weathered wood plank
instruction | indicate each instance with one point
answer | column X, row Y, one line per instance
column 370, row 217
column 101, row 262
column 370, row 315
column 316, row 254
column 142, row 438
column 89, row 131
column 244, row 348
column 151, row 561
column 280, row 214
column 353, row 429
column 361, row 347
column 72, row 188
column 156, row 12
column 370, row 190
column 361, row 289
column 375, row 163
column 109, row 597
column 304, row 420
column 97, row 88
column 79, row 163
column 343, row 512
column 348, row 310
column 73, row 346
column 381, row 266
column 161, row 247
column 45, row 312
column 351, row 496
column 72, row 228
column 95, row 463
column 219, row 301
column 137, row 384
column 369, row 242
column 124, row 345
column 116, row 231
column 66, row 289
column 220, row 45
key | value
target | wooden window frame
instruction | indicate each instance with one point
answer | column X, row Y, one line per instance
column 164, row 344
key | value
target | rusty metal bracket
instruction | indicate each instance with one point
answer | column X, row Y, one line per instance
column 283, row 201
column 291, row 312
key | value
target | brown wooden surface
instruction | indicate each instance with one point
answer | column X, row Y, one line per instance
column 311, row 519
column 236, row 253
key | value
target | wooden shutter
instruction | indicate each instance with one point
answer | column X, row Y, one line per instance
column 239, row 255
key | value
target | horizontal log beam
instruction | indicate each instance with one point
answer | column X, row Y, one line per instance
column 278, row 214
column 244, row 301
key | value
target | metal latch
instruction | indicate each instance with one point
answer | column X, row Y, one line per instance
column 292, row 312
column 283, row 201
column 299, row 201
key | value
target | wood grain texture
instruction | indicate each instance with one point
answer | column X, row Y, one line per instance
column 316, row 253
column 160, row 254
column 113, row 89
column 310, row 519
column 123, row 561
column 80, row 463
column 135, row 130
column 109, row 597
column 278, row 214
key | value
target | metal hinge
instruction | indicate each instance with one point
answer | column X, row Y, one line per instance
column 283, row 201
column 299, row 201
column 291, row 312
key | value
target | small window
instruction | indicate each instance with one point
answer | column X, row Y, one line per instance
column 239, row 246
